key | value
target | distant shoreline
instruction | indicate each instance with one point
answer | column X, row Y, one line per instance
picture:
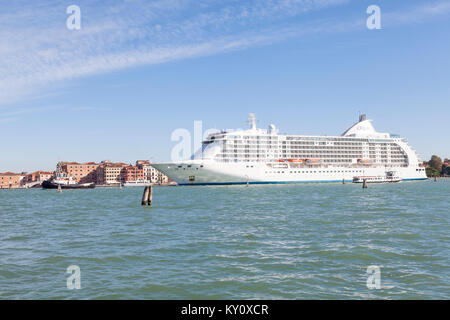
column 165, row 185
column 101, row 186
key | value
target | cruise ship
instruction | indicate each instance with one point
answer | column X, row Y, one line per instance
column 259, row 156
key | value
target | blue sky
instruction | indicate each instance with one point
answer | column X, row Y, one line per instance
column 138, row 69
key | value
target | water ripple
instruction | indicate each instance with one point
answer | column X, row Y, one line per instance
column 236, row 242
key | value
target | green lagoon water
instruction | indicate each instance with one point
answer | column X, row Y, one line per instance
column 229, row 242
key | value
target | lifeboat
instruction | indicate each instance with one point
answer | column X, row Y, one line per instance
column 296, row 160
column 280, row 160
column 364, row 161
column 313, row 161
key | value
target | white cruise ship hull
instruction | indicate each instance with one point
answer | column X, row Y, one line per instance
column 214, row 173
column 264, row 156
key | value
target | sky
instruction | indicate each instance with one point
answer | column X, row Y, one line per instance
column 137, row 70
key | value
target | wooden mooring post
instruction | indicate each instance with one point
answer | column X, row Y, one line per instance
column 59, row 188
column 364, row 184
column 147, row 196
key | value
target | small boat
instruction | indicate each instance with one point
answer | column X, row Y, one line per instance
column 63, row 181
column 313, row 161
column 364, row 161
column 137, row 183
column 296, row 160
column 55, row 185
column 389, row 177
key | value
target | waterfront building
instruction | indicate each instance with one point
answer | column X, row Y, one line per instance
column 38, row 176
column 150, row 173
column 81, row 172
column 110, row 173
column 11, row 180
column 107, row 172
column 132, row 173
column 162, row 178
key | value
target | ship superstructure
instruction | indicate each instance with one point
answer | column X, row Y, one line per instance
column 265, row 156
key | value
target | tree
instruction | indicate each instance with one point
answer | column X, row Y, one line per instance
column 445, row 169
column 435, row 162
column 432, row 172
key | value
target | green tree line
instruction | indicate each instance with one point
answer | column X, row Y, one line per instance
column 437, row 167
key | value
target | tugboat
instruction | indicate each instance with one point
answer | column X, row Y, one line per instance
column 61, row 180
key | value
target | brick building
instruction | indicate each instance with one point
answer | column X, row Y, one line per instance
column 107, row 172
column 81, row 172
column 39, row 176
column 11, row 180
column 132, row 173
column 150, row 173
column 110, row 173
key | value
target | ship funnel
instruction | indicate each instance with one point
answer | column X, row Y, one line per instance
column 272, row 129
column 362, row 117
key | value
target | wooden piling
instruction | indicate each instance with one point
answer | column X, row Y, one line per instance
column 150, row 195
column 145, row 196
column 343, row 181
column 364, row 184
column 59, row 188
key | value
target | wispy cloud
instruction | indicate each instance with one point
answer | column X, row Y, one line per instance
column 37, row 50
column 417, row 14
column 84, row 109
column 13, row 115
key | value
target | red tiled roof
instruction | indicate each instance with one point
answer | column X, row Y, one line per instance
column 79, row 164
column 11, row 174
column 40, row 172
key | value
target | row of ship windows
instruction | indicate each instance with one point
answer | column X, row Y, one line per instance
column 255, row 141
column 312, row 141
column 188, row 166
column 294, row 144
column 326, row 161
column 310, row 148
column 346, row 161
column 320, row 171
column 307, row 155
column 318, row 149
column 246, row 150
column 247, row 147
column 322, row 149
column 302, row 139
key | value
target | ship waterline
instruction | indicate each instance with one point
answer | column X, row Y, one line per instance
column 211, row 173
column 256, row 156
